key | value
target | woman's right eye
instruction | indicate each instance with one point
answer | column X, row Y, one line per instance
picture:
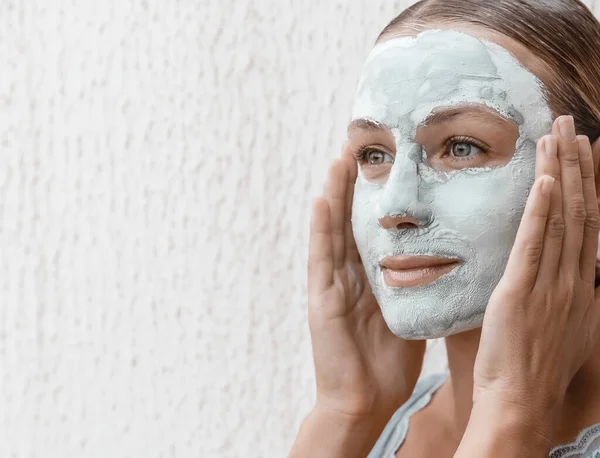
column 376, row 157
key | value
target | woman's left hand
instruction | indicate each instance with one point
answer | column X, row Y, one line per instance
column 544, row 316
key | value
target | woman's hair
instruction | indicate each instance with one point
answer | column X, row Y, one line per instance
column 564, row 34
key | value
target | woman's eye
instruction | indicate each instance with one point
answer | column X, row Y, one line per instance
column 375, row 157
column 464, row 149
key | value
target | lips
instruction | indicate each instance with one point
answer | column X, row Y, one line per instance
column 409, row 271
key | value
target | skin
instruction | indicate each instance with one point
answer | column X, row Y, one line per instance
column 505, row 395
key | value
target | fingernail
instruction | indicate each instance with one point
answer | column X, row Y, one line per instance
column 547, row 185
column 566, row 126
column 584, row 150
column 550, row 146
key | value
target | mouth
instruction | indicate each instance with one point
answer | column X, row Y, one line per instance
column 409, row 271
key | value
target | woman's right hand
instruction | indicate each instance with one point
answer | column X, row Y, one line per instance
column 363, row 371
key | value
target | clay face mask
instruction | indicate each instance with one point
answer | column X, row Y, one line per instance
column 471, row 214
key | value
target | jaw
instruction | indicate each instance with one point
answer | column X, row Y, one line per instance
column 445, row 307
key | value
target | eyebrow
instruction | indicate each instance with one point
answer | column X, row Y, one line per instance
column 448, row 114
column 435, row 118
column 442, row 116
column 367, row 124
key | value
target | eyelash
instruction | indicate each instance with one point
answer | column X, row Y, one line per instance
column 363, row 151
column 467, row 140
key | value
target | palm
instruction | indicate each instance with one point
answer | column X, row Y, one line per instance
column 361, row 367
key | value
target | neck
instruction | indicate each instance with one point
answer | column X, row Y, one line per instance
column 580, row 408
column 462, row 350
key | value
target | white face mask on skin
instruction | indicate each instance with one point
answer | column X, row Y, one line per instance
column 471, row 214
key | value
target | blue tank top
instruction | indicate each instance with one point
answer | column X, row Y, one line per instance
column 587, row 444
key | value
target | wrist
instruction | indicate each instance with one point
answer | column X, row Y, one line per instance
column 514, row 428
column 358, row 432
column 327, row 433
column 534, row 400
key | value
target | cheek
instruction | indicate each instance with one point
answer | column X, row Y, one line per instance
column 480, row 204
column 366, row 197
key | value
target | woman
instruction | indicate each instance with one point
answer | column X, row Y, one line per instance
column 474, row 218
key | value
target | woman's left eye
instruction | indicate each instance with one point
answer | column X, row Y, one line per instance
column 460, row 152
column 464, row 149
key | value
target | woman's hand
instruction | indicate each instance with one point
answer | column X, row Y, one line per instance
column 363, row 371
column 543, row 318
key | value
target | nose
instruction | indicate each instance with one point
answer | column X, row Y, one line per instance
column 399, row 222
column 400, row 205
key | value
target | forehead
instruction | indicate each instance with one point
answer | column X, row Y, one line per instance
column 426, row 67
column 525, row 56
column 411, row 75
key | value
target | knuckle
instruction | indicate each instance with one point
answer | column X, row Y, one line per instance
column 571, row 159
column 593, row 222
column 570, row 291
column 570, row 287
column 587, row 173
column 533, row 251
column 556, row 226
column 576, row 210
column 587, row 292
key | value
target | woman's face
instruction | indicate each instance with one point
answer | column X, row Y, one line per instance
column 444, row 127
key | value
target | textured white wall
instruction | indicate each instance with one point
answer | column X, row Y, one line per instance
column 158, row 161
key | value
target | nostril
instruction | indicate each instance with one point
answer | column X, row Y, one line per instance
column 399, row 222
column 406, row 226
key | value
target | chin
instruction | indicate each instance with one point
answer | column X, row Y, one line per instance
column 452, row 304
column 423, row 323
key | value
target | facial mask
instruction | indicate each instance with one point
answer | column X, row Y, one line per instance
column 470, row 214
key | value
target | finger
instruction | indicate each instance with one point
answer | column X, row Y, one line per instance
column 594, row 319
column 547, row 164
column 589, row 248
column 320, row 249
column 335, row 193
column 524, row 259
column 596, row 156
column 351, row 250
column 572, row 195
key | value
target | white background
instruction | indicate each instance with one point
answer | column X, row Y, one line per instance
column 158, row 160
